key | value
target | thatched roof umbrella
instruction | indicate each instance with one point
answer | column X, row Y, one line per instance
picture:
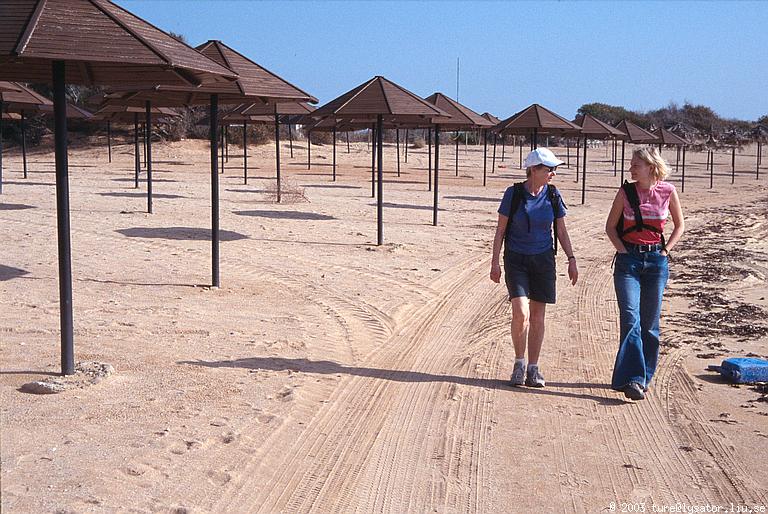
column 380, row 100
column 535, row 120
column 665, row 137
column 462, row 118
column 90, row 42
column 593, row 128
column 734, row 139
column 634, row 134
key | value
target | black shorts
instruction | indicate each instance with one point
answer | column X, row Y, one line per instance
column 531, row 275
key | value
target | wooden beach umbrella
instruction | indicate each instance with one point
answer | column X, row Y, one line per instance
column 254, row 84
column 535, row 120
column 462, row 118
column 634, row 134
column 378, row 101
column 593, row 128
column 88, row 42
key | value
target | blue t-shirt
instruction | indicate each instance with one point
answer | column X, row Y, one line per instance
column 538, row 238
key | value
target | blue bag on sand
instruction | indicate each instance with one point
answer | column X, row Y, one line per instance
column 743, row 370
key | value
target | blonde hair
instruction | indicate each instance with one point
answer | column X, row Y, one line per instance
column 651, row 156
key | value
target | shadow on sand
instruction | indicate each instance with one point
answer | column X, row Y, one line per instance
column 180, row 233
column 332, row 368
column 290, row 215
column 9, row 273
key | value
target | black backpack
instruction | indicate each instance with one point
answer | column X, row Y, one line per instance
column 518, row 197
column 630, row 189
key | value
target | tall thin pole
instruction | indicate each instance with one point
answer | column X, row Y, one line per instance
column 457, row 152
column 334, row 153
column 503, row 146
column 109, row 139
column 145, row 145
column 623, row 144
column 148, row 153
column 406, row 146
column 380, row 181
column 226, row 141
column 493, row 160
column 24, row 144
column 245, row 152
column 521, row 152
column 62, row 218
column 429, row 162
column 290, row 136
column 309, row 149
column 485, row 155
column 1, row 145
column 348, row 149
column 221, row 139
column 578, row 154
column 397, row 144
column 277, row 152
column 712, row 169
column 733, row 165
column 615, row 152
column 568, row 151
column 682, row 189
column 373, row 162
column 437, row 173
column 136, row 152
column 584, row 175
column 214, row 136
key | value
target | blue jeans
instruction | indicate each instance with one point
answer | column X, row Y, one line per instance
column 639, row 280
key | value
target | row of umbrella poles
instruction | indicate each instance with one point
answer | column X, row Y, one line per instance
column 170, row 73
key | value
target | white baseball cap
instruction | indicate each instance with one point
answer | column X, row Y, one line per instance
column 541, row 156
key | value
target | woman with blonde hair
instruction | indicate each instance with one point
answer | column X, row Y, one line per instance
column 635, row 227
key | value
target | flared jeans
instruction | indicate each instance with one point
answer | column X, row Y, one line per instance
column 639, row 280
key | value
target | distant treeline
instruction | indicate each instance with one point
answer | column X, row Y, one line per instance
column 699, row 117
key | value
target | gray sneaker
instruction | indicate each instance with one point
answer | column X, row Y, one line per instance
column 534, row 378
column 518, row 374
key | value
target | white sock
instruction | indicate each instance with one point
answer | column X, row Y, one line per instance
column 520, row 361
column 533, row 365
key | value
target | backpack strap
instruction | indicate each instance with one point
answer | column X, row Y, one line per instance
column 554, row 199
column 518, row 197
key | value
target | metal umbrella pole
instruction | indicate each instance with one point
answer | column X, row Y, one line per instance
column 437, row 173
column 578, row 155
column 682, row 189
column 456, row 134
column 584, row 175
column 148, row 154
column 373, row 162
column 733, row 165
column 485, row 155
column 429, row 156
column 215, row 235
column 380, row 181
column 62, row 218
column 290, row 137
column 245, row 152
column 348, row 149
column 493, row 160
column 334, row 153
column 221, row 137
column 24, row 144
column 397, row 144
column 136, row 151
column 309, row 149
column 623, row 145
column 406, row 146
column 1, row 146
column 109, row 139
column 277, row 152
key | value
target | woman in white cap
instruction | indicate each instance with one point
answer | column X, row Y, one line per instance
column 528, row 214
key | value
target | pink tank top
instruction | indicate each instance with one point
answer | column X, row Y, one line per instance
column 654, row 206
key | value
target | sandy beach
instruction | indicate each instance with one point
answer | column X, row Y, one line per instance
column 329, row 374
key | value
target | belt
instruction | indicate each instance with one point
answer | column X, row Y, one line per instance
column 645, row 248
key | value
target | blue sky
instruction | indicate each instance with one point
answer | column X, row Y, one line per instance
column 641, row 55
